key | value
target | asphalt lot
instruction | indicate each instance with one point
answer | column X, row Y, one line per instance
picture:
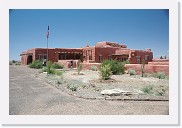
column 30, row 96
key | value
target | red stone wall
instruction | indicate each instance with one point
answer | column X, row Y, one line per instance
column 148, row 68
column 89, row 65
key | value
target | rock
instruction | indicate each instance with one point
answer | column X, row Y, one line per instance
column 115, row 92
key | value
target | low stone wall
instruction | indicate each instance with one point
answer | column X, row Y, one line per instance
column 89, row 65
column 158, row 63
column 149, row 68
column 67, row 63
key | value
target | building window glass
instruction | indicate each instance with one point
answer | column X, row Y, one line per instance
column 138, row 59
column 109, row 57
column 146, row 57
column 124, row 59
column 42, row 56
column 100, row 58
column 90, row 54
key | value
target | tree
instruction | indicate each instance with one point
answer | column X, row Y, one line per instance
column 161, row 57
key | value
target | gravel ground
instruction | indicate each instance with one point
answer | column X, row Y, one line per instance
column 89, row 86
column 29, row 94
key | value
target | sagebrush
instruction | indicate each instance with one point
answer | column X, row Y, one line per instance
column 57, row 66
column 37, row 64
column 105, row 72
column 132, row 72
column 116, row 67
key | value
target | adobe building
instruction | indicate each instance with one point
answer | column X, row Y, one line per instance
column 89, row 55
column 94, row 55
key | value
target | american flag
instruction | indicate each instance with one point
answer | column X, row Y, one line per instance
column 47, row 34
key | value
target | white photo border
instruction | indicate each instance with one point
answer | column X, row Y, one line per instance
column 171, row 119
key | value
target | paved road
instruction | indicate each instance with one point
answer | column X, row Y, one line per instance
column 30, row 96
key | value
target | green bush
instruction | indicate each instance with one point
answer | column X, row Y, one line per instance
column 147, row 89
column 93, row 68
column 160, row 75
column 36, row 64
column 132, row 72
column 59, row 73
column 126, row 62
column 14, row 61
column 57, row 66
column 18, row 63
column 50, row 70
column 105, row 72
column 116, row 67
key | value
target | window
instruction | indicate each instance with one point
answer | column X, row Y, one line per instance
column 90, row 54
column 62, row 56
column 42, row 56
column 146, row 57
column 124, row 59
column 100, row 58
column 109, row 57
column 138, row 59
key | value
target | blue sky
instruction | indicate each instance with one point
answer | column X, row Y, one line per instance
column 138, row 29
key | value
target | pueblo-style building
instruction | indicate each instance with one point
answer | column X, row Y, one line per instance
column 89, row 55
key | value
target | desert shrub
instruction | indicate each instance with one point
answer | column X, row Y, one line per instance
column 52, row 71
column 48, row 68
column 126, row 62
column 161, row 91
column 79, row 66
column 14, row 61
column 36, row 64
column 142, row 67
column 10, row 63
column 147, row 89
column 105, row 72
column 72, row 87
column 59, row 73
column 57, row 66
column 160, row 75
column 18, row 63
column 147, row 75
column 116, row 67
column 154, row 75
column 132, row 72
column 93, row 68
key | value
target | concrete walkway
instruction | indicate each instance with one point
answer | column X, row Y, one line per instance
column 30, row 96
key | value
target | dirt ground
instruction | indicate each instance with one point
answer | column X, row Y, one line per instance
column 88, row 85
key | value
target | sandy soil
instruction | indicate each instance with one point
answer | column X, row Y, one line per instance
column 88, row 85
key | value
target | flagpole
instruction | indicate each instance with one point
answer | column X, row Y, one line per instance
column 47, row 50
column 47, row 43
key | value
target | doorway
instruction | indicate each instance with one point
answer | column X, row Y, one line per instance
column 29, row 59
